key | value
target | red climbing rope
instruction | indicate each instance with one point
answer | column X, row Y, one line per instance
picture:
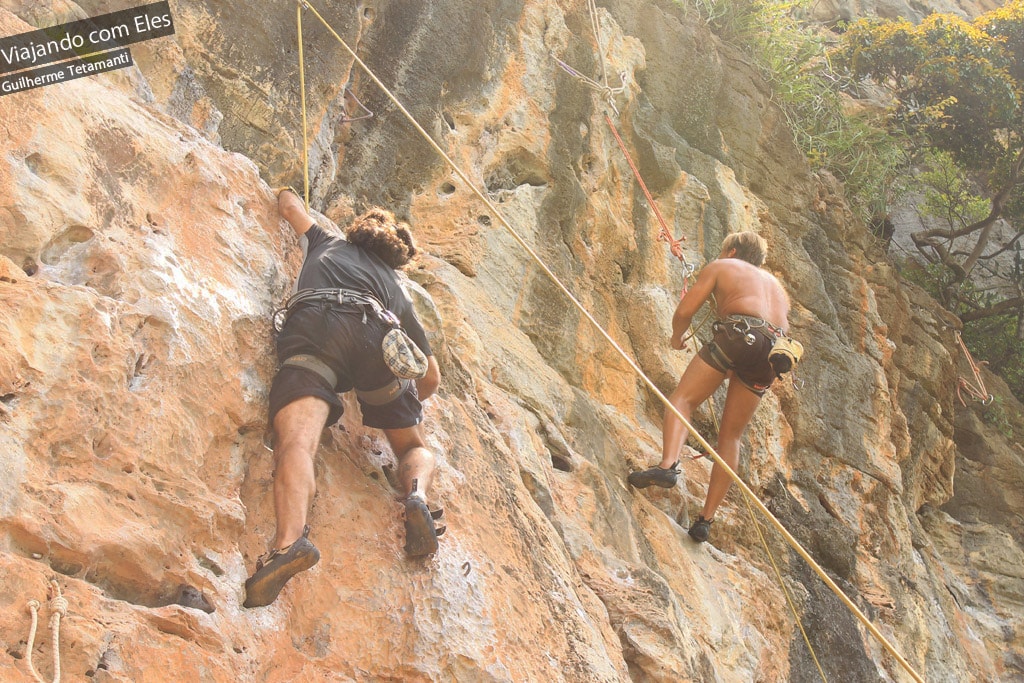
column 978, row 392
column 676, row 246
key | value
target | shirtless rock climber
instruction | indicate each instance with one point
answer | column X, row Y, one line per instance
column 752, row 310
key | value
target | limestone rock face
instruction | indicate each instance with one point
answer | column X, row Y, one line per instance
column 141, row 257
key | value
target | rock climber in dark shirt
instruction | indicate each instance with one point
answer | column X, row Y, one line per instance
column 328, row 346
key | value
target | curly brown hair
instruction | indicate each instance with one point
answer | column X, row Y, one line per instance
column 378, row 231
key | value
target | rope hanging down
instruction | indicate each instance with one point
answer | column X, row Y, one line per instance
column 302, row 93
column 976, row 391
column 58, row 608
column 603, row 87
column 345, row 118
column 675, row 246
column 741, row 485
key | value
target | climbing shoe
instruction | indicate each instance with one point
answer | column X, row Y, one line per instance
column 656, row 476
column 274, row 569
column 420, row 531
column 700, row 529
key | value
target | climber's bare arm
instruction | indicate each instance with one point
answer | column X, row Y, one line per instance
column 702, row 289
column 292, row 209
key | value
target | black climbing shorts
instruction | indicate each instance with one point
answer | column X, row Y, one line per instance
column 730, row 350
column 349, row 344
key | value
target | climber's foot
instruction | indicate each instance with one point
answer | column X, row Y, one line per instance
column 274, row 569
column 655, row 476
column 700, row 529
column 420, row 531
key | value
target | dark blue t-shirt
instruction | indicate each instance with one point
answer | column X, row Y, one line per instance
column 334, row 263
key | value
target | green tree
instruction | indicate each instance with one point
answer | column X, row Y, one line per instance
column 957, row 87
column 792, row 55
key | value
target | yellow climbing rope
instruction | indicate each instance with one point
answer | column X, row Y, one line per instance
column 785, row 591
column 741, row 485
column 302, row 93
column 58, row 609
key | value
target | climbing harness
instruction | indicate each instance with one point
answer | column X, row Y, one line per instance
column 743, row 324
column 976, row 391
column 375, row 397
column 405, row 360
column 308, row 361
column 340, row 297
column 741, row 485
column 785, row 352
column 58, row 609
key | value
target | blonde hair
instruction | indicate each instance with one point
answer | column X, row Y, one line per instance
column 749, row 246
column 378, row 231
